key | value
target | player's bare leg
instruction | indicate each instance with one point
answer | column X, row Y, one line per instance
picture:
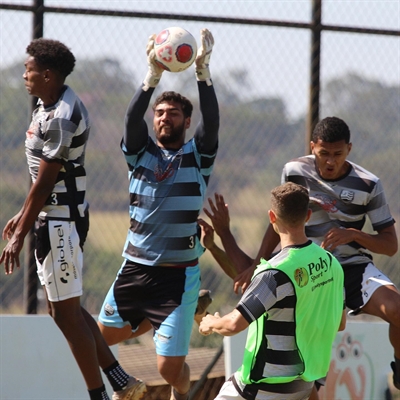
column 177, row 374
column 117, row 335
column 385, row 303
column 129, row 385
column 173, row 369
column 68, row 316
column 104, row 353
column 314, row 394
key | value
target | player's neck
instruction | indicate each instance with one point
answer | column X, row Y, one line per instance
column 52, row 96
column 292, row 238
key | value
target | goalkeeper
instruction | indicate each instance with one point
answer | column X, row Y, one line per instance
column 158, row 284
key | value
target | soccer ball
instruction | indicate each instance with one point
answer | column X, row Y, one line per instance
column 175, row 49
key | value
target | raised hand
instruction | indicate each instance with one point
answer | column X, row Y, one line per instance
column 207, row 234
column 203, row 56
column 242, row 280
column 154, row 72
column 219, row 214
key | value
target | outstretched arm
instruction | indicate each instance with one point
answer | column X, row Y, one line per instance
column 206, row 135
column 228, row 325
column 270, row 241
column 136, row 131
column 219, row 255
column 384, row 242
column 219, row 216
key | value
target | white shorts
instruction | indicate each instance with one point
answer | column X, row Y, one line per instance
column 59, row 259
column 361, row 281
column 228, row 391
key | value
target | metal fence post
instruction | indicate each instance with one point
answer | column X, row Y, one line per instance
column 30, row 275
column 313, row 107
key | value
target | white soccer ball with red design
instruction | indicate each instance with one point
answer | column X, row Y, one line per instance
column 175, row 49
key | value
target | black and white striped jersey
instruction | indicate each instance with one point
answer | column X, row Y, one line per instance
column 343, row 203
column 60, row 133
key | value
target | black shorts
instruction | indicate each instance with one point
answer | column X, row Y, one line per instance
column 166, row 296
column 361, row 281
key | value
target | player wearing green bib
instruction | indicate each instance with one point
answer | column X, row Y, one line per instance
column 293, row 308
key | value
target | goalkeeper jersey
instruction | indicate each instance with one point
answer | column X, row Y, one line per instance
column 167, row 187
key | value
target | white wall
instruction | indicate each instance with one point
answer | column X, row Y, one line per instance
column 37, row 364
column 360, row 363
column 36, row 361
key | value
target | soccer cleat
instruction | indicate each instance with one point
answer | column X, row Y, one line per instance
column 396, row 381
column 203, row 302
column 134, row 390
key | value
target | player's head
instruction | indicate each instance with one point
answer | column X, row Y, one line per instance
column 49, row 62
column 52, row 55
column 172, row 116
column 290, row 204
column 331, row 145
column 331, row 129
column 173, row 97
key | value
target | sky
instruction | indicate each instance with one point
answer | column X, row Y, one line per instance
column 277, row 58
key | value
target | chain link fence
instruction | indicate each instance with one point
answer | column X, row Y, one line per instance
column 261, row 71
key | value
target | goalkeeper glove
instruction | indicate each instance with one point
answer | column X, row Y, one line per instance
column 154, row 73
column 203, row 56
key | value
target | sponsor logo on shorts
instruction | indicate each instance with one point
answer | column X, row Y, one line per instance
column 61, row 259
column 109, row 309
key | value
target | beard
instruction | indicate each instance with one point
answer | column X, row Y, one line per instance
column 173, row 135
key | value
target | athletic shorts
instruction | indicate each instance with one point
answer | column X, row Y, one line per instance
column 296, row 390
column 166, row 296
column 361, row 281
column 59, row 258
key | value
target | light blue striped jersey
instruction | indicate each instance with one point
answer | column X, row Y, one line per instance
column 167, row 190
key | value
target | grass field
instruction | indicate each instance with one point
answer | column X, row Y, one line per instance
column 108, row 231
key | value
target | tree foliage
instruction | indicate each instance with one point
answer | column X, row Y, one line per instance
column 256, row 139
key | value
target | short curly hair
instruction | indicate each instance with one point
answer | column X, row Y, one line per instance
column 331, row 129
column 167, row 97
column 52, row 54
column 290, row 202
